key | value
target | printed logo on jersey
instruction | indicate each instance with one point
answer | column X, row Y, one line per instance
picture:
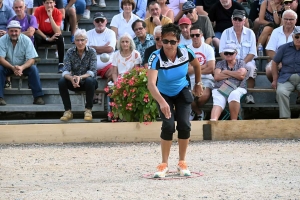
column 153, row 56
column 201, row 58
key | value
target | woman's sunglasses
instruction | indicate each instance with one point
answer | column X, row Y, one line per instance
column 172, row 42
column 229, row 53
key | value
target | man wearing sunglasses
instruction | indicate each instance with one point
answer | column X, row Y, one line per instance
column 206, row 57
column 189, row 9
column 143, row 40
column 156, row 18
column 103, row 40
column 288, row 78
column 244, row 39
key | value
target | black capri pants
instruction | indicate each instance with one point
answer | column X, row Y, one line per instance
column 180, row 106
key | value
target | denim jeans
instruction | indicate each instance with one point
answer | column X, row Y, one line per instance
column 33, row 80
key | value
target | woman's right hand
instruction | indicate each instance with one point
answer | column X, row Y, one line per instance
column 165, row 109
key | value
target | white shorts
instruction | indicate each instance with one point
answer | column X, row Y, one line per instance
column 250, row 66
column 235, row 95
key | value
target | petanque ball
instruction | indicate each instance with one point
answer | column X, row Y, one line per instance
column 104, row 57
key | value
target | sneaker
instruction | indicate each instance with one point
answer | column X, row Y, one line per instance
column 298, row 100
column 38, row 101
column 56, row 54
column 86, row 14
column 202, row 116
column 2, row 102
column 162, row 170
column 7, row 85
column 88, row 115
column 183, row 169
column 68, row 115
column 249, row 99
column 102, row 4
column 60, row 68
column 72, row 39
column 192, row 115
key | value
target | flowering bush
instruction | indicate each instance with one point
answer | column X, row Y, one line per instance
column 132, row 100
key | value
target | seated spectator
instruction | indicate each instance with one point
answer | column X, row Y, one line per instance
column 71, row 17
column 17, row 56
column 234, row 70
column 287, row 79
column 126, row 57
column 28, row 24
column 244, row 39
column 5, row 14
column 203, row 6
column 254, row 14
column 103, row 40
column 206, row 57
column 269, row 19
column 156, row 18
column 122, row 23
column 165, row 10
column 79, row 74
column 28, row 5
column 156, row 46
column 57, row 3
column 185, row 25
column 176, row 7
column 140, row 8
column 143, row 40
column 220, row 14
column 49, row 21
column 189, row 9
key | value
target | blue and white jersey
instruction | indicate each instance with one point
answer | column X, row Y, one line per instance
column 172, row 76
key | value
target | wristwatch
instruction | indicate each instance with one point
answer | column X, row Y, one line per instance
column 46, row 38
column 199, row 83
column 274, row 11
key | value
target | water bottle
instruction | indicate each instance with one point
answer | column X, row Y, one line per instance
column 260, row 50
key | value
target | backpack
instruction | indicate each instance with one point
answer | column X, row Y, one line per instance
column 28, row 18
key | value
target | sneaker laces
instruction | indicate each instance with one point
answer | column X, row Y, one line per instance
column 161, row 167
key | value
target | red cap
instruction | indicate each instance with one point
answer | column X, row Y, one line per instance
column 184, row 20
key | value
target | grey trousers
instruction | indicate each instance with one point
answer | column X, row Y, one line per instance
column 283, row 95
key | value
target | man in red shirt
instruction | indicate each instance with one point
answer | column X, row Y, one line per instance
column 49, row 22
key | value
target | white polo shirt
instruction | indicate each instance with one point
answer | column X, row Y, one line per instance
column 245, row 47
column 101, row 39
column 122, row 25
column 278, row 38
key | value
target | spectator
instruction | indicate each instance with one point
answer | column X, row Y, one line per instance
column 234, row 70
column 17, row 56
column 57, row 3
column 103, row 40
column 143, row 40
column 203, row 6
column 49, row 21
column 71, row 16
column 5, row 14
column 156, row 18
column 245, row 41
column 206, row 57
column 269, row 19
column 79, row 74
column 28, row 5
column 165, row 10
column 176, row 7
column 169, row 86
column 151, row 49
column 121, row 23
column 189, row 9
column 185, row 25
column 287, row 79
column 253, row 14
column 126, row 57
column 220, row 14
column 140, row 8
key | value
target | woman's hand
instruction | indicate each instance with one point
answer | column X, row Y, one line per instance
column 165, row 109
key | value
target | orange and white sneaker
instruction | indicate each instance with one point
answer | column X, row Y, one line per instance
column 183, row 169
column 162, row 170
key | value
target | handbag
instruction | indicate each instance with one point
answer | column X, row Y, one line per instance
column 226, row 88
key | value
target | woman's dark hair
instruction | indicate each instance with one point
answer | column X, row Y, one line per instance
column 171, row 28
column 136, row 21
column 128, row 1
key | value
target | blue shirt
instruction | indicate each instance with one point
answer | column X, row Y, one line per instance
column 172, row 77
column 23, row 51
column 141, row 47
column 5, row 14
column 289, row 56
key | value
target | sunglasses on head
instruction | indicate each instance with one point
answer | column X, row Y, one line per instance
column 172, row 42
column 139, row 29
column 99, row 20
column 157, row 39
column 237, row 19
column 297, row 37
column 197, row 35
column 229, row 53
column 287, row 2
column 189, row 11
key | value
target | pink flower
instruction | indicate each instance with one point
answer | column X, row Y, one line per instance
column 125, row 93
column 131, row 82
column 106, row 89
column 133, row 96
column 110, row 114
column 112, row 104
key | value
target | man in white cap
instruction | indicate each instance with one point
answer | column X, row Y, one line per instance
column 17, row 56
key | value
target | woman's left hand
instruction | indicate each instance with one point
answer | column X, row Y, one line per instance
column 198, row 90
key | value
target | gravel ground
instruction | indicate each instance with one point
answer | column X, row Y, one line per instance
column 266, row 169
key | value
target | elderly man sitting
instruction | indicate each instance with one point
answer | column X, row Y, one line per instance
column 79, row 74
column 17, row 56
column 288, row 78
